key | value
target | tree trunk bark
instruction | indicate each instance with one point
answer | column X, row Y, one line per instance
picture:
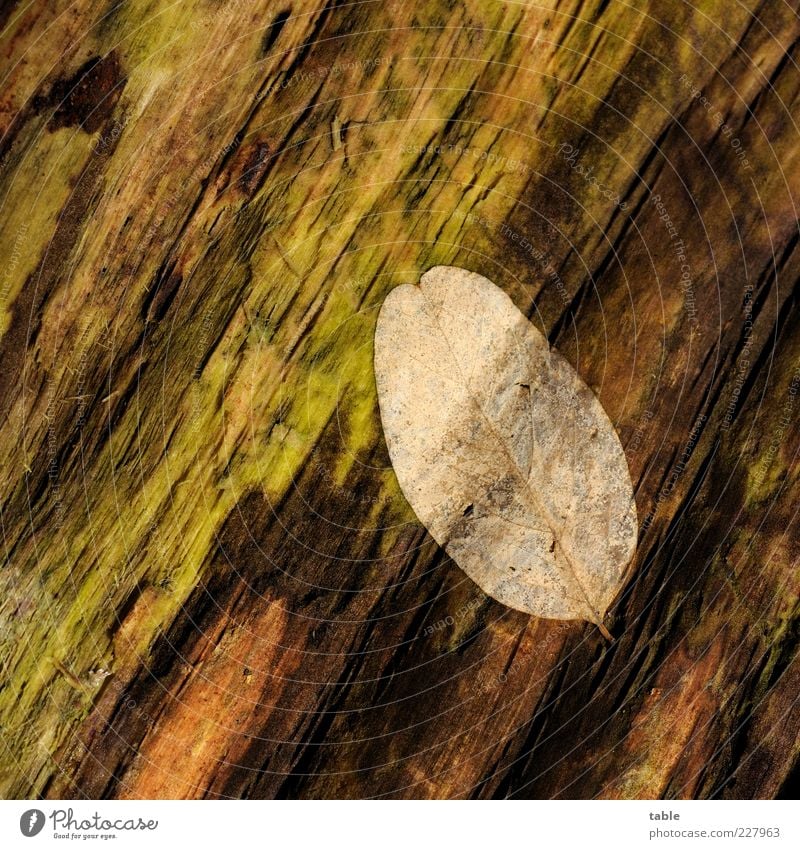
column 212, row 586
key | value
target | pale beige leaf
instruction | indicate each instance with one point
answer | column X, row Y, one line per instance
column 504, row 453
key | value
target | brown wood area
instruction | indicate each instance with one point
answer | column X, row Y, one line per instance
column 211, row 585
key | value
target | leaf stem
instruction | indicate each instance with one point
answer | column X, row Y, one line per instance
column 604, row 631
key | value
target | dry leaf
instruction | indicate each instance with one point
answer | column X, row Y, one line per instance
column 503, row 452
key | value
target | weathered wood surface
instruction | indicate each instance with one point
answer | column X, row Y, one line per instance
column 211, row 586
